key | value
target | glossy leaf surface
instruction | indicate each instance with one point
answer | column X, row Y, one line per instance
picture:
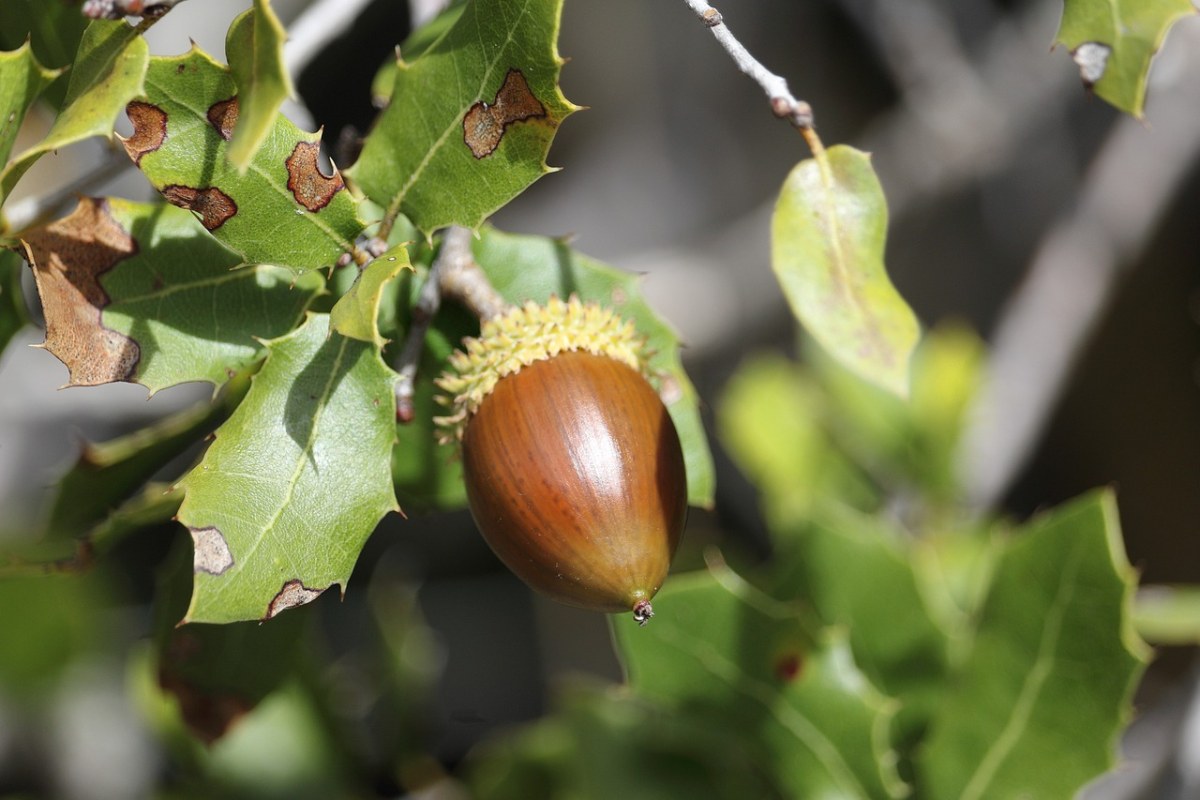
column 22, row 79
column 476, row 111
column 356, row 313
column 306, row 456
column 283, row 210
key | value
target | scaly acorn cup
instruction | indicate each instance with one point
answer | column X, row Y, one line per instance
column 574, row 471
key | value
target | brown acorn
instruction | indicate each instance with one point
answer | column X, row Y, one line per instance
column 574, row 471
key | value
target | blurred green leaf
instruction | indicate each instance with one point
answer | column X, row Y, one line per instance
column 1114, row 41
column 1037, row 706
column 296, row 479
column 827, row 242
column 1168, row 614
column 726, row 656
column 107, row 473
column 773, row 418
column 534, row 268
column 107, row 73
column 282, row 211
column 254, row 49
column 356, row 313
column 13, row 314
column 22, row 79
column 49, row 621
column 477, row 110
column 140, row 292
column 857, row 575
column 609, row 743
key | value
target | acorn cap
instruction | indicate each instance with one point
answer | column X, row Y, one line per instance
column 523, row 335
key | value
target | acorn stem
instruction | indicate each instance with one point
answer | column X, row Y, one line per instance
column 642, row 612
column 453, row 274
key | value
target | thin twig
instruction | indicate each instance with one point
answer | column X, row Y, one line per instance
column 783, row 103
column 116, row 9
column 35, row 210
column 454, row 274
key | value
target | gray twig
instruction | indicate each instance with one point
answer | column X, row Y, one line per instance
column 454, row 274
column 783, row 103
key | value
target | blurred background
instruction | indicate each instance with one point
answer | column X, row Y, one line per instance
column 1062, row 231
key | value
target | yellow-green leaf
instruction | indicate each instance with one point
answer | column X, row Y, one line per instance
column 254, row 49
column 827, row 242
column 356, row 313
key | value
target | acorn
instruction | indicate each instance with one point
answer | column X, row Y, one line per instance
column 573, row 468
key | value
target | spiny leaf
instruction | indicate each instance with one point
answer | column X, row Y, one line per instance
column 282, row 211
column 727, row 656
column 827, row 238
column 1114, row 41
column 140, row 292
column 477, row 110
column 534, row 268
column 22, row 79
column 296, row 479
column 412, row 48
column 1046, row 687
column 356, row 312
column 254, row 48
column 13, row 314
column 107, row 73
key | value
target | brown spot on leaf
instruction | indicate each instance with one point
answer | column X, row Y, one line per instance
column 484, row 123
column 293, row 594
column 69, row 256
column 213, row 205
column 149, row 130
column 223, row 115
column 788, row 667
column 305, row 181
column 211, row 551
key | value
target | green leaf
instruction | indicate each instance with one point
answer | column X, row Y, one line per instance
column 1168, row 614
column 54, row 29
column 827, row 242
column 107, row 473
column 477, row 111
column 896, row 638
column 107, row 73
column 140, row 292
column 773, row 417
column 731, row 658
column 1046, row 687
column 534, row 268
column 22, row 79
column 609, row 744
column 282, row 211
column 13, row 314
column 296, row 479
column 1114, row 41
column 356, row 313
column 254, row 48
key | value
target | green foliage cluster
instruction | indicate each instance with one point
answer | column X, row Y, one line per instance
column 894, row 645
